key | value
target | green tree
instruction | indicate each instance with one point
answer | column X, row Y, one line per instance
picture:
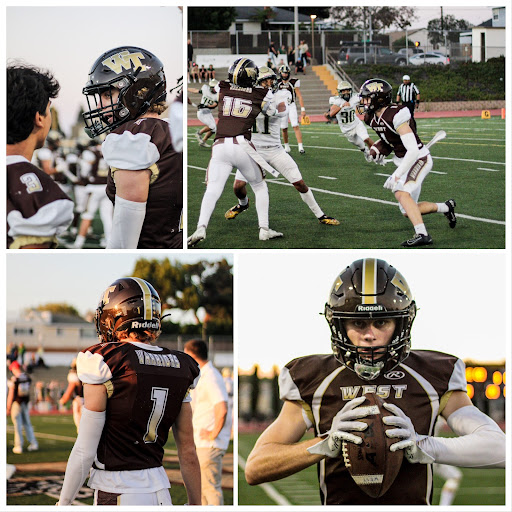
column 59, row 308
column 381, row 17
column 210, row 18
column 448, row 24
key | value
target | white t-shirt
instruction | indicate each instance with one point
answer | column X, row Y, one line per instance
column 210, row 390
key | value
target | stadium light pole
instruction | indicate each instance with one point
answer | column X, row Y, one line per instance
column 313, row 18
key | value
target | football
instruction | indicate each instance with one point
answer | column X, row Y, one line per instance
column 371, row 464
column 380, row 148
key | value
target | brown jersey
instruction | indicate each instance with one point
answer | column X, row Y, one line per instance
column 386, row 126
column 37, row 208
column 21, row 385
column 290, row 85
column 146, row 386
column 146, row 144
column 238, row 108
column 99, row 170
column 420, row 386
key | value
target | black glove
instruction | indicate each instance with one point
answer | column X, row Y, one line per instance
column 200, row 106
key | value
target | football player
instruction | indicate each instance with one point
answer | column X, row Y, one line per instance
column 126, row 94
column 241, row 102
column 266, row 137
column 38, row 211
column 370, row 312
column 293, row 86
column 209, row 102
column 75, row 393
column 392, row 124
column 343, row 108
column 134, row 392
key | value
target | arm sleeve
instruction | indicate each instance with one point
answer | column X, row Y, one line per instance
column 409, row 141
column 481, row 442
column 82, row 455
column 127, row 224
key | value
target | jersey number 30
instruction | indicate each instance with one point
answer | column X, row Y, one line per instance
column 159, row 398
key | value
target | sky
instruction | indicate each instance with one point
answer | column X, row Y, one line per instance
column 474, row 14
column 462, row 301
column 67, row 41
column 77, row 279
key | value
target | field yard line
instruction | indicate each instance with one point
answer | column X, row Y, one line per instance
column 43, row 435
column 364, row 198
column 269, row 489
column 485, row 169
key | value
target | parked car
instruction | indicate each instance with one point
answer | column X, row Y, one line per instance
column 411, row 50
column 428, row 58
column 370, row 55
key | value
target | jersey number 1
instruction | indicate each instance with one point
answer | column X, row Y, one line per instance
column 159, row 398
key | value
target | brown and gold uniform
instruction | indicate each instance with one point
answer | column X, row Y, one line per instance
column 420, row 386
column 146, row 144
column 146, row 386
column 37, row 208
column 238, row 108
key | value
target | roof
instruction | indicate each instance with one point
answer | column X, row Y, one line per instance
column 282, row 16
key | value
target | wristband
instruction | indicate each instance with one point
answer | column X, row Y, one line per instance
column 302, row 109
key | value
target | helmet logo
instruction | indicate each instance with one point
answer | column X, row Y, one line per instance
column 375, row 87
column 149, row 324
column 369, row 307
column 108, row 291
column 124, row 60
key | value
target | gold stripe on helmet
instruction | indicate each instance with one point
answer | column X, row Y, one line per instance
column 148, row 306
column 369, row 284
column 237, row 69
column 399, row 281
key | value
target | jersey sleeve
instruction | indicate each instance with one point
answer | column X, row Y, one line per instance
column 288, row 390
column 335, row 100
column 401, row 117
column 44, row 154
column 130, row 151
column 297, row 84
column 458, row 379
column 92, row 369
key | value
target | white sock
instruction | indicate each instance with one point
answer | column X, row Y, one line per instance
column 262, row 202
column 309, row 199
column 287, row 146
column 79, row 241
column 300, row 146
column 244, row 201
column 420, row 229
column 442, row 207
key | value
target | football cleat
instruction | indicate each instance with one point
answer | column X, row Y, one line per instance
column 236, row 210
column 302, row 151
column 197, row 236
column 268, row 234
column 330, row 221
column 287, row 148
column 450, row 214
column 198, row 136
column 417, row 240
column 203, row 144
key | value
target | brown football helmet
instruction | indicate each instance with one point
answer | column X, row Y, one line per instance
column 370, row 288
column 128, row 304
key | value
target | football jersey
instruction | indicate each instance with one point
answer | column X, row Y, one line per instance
column 55, row 158
column 93, row 167
column 209, row 97
column 420, row 386
column 290, row 86
column 37, row 208
column 238, row 108
column 386, row 125
column 267, row 129
column 146, row 386
column 146, row 144
column 347, row 119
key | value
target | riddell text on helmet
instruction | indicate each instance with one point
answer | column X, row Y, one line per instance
column 145, row 325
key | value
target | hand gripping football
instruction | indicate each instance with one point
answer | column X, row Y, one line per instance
column 371, row 464
column 380, row 148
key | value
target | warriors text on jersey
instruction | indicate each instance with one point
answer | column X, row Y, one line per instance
column 420, row 386
column 290, row 86
column 37, row 208
column 387, row 123
column 346, row 117
column 146, row 144
column 238, row 108
column 146, row 386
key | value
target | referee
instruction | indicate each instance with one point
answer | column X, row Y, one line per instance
column 409, row 95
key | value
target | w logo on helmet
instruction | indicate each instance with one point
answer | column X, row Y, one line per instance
column 375, row 87
column 124, row 60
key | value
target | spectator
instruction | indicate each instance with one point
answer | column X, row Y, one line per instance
column 211, row 72
column 18, row 407
column 203, row 73
column 272, row 54
column 212, row 423
column 190, row 53
column 291, row 56
column 194, row 72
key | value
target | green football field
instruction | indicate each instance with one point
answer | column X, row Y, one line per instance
column 478, row 486
column 39, row 476
column 469, row 166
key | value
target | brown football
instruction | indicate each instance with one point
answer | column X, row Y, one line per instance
column 371, row 464
column 380, row 148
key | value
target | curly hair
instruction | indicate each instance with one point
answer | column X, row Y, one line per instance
column 29, row 90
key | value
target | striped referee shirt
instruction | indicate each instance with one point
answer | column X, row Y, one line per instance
column 408, row 92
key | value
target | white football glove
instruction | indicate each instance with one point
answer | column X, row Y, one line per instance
column 391, row 183
column 343, row 421
column 405, row 431
column 380, row 159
